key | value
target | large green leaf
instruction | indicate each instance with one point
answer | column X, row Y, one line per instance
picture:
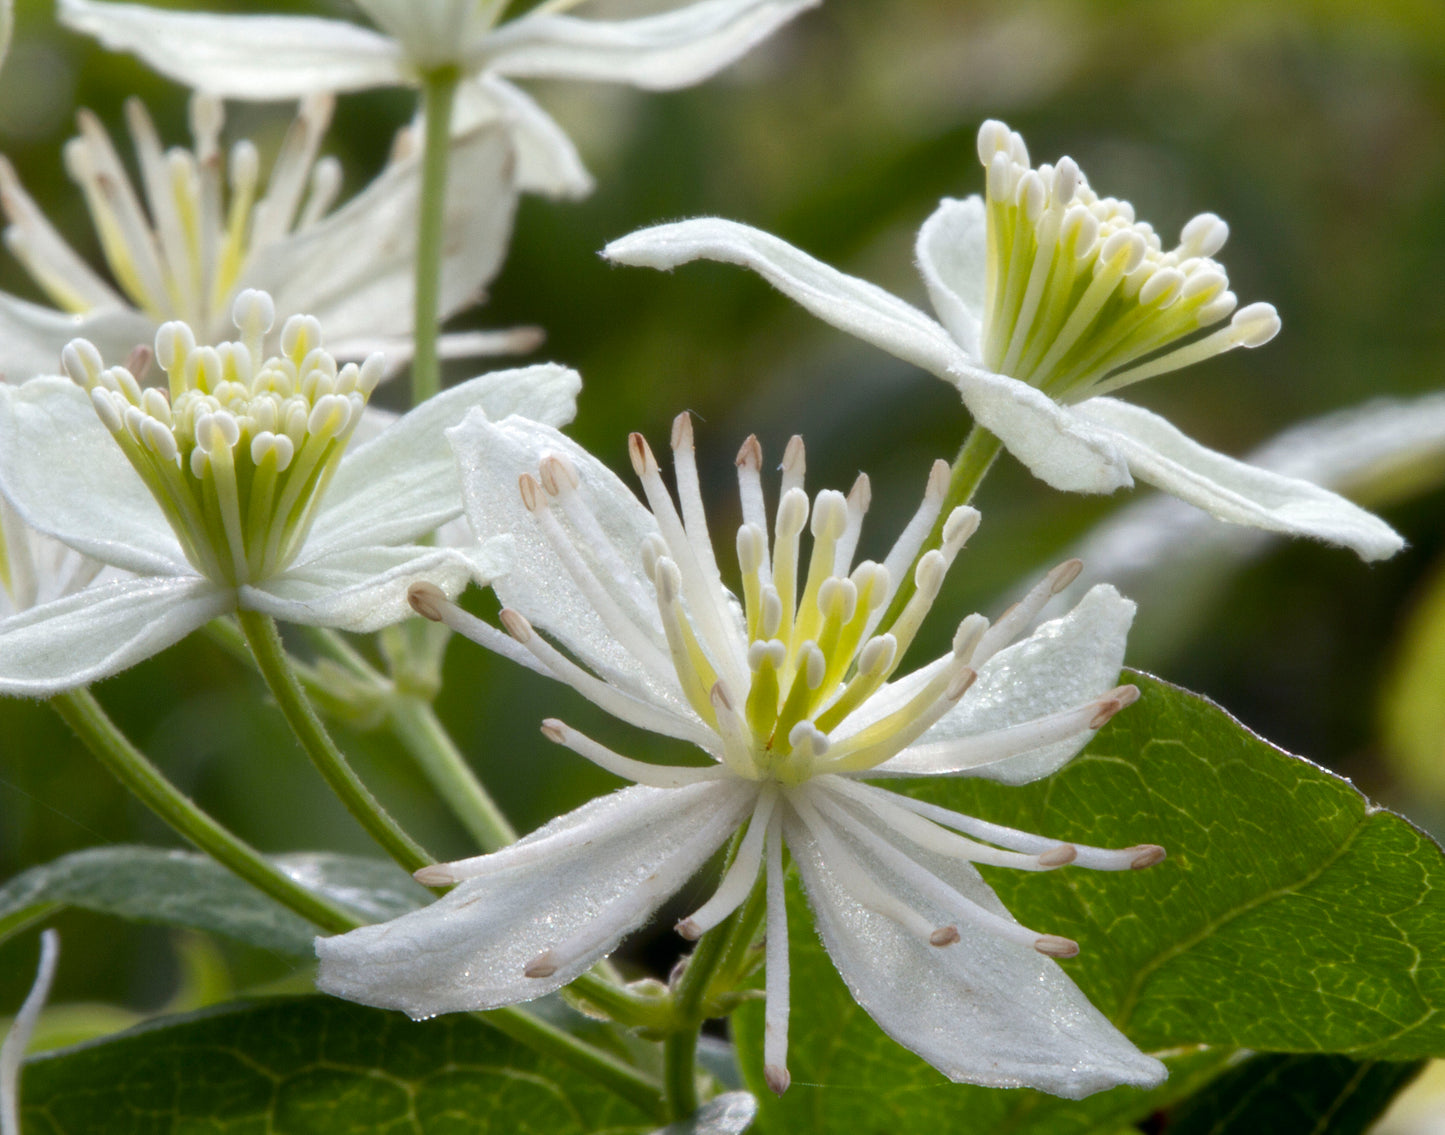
column 314, row 1065
column 1304, row 1095
column 1291, row 916
column 182, row 888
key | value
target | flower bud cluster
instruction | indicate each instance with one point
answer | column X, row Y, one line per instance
column 1081, row 295
column 237, row 452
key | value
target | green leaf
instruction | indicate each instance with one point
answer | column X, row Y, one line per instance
column 182, row 888
column 313, row 1065
column 1304, row 1095
column 1291, row 915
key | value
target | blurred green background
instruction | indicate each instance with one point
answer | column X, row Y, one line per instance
column 1317, row 129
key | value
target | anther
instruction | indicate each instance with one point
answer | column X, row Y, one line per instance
column 82, row 362
column 1066, row 181
column 689, row 929
column 794, row 457
column 682, row 432
column 1056, row 947
column 254, row 314
column 106, row 409
column 544, row 965
column 750, row 456
column 1059, row 856
column 515, row 624
column 644, row 464
column 435, row 875
column 427, row 600
column 1162, row 288
column 960, row 526
column 993, row 138
column 752, row 546
column 1112, row 703
column 160, row 440
column 960, row 685
column 877, row 654
column 830, row 515
column 938, row 477
column 139, row 361
column 531, row 498
column 1146, row 855
column 299, row 335
column 1063, row 575
column 1256, row 324
column 944, row 936
column 554, row 731
column 777, row 1078
column 1204, row 235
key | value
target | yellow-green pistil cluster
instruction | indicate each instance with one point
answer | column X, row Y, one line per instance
column 1080, row 297
column 237, row 452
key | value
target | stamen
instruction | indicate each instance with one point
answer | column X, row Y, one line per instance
column 694, row 672
column 860, row 496
column 639, row 772
column 1022, row 614
column 750, row 492
column 795, row 464
column 788, row 525
column 910, row 541
column 884, row 739
column 775, row 1013
column 738, row 881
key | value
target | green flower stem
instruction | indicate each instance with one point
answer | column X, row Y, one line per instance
column 975, row 458
column 439, row 90
column 416, row 726
column 265, row 643
column 739, row 958
column 679, row 1051
column 550, row 1041
column 80, row 710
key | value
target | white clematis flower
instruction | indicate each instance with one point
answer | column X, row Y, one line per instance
column 1049, row 297
column 204, row 227
column 796, row 698
column 234, row 489
column 273, row 57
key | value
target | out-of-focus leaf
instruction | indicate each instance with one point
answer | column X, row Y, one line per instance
column 313, row 1065
column 1291, row 915
column 728, row 1114
column 182, row 888
column 1307, row 1095
column 1414, row 698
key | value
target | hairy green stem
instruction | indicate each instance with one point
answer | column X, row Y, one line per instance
column 129, row 765
column 439, row 90
column 265, row 643
column 416, row 726
column 975, row 458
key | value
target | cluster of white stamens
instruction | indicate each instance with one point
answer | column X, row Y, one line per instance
column 775, row 692
column 239, row 450
column 178, row 247
column 1081, row 296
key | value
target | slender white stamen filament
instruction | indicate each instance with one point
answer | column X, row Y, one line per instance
column 794, row 465
column 639, row 772
column 1094, row 858
column 1252, row 326
column 910, row 541
column 932, row 888
column 737, row 739
column 958, row 754
column 750, row 492
column 740, row 876
column 775, row 1014
column 689, row 495
column 860, row 496
column 1013, row 621
column 787, row 527
column 12, row 1052
column 830, row 519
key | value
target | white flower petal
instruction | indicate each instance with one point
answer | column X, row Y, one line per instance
column 547, row 161
column 952, row 249
column 662, row 52
column 1231, row 490
column 67, row 477
column 247, row 57
column 404, row 482
column 982, row 1010
column 32, row 336
column 102, row 630
column 434, row 33
column 493, row 455
column 354, row 271
column 848, row 303
column 1064, row 663
column 364, row 589
column 468, row 950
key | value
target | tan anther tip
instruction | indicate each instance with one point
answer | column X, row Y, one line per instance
column 436, row 875
column 682, row 431
column 553, row 475
column 944, row 936
column 1056, row 947
column 689, row 929
column 528, row 486
column 750, row 456
column 1112, row 704
column 795, row 454
column 427, row 600
column 1146, row 855
column 777, row 1078
column 554, row 730
column 861, row 494
column 515, row 624
column 718, row 695
column 1058, row 856
column 966, row 678
column 938, row 477
column 641, row 454
column 1065, row 574
column 543, row 965
column 139, row 361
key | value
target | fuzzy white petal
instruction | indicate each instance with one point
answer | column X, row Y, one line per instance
column 493, row 455
column 247, row 57
column 468, row 950
column 364, row 589
column 1234, row 491
column 1064, row 663
column 354, row 271
column 32, row 336
column 951, row 251
column 102, row 630
column 981, row 1011
column 67, row 477
column 662, row 52
column 848, row 303
column 547, row 161
column 404, row 482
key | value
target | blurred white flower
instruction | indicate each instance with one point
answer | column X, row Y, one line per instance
column 275, row 57
column 7, row 27
column 204, row 226
column 793, row 697
column 234, row 489
column 1048, row 297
